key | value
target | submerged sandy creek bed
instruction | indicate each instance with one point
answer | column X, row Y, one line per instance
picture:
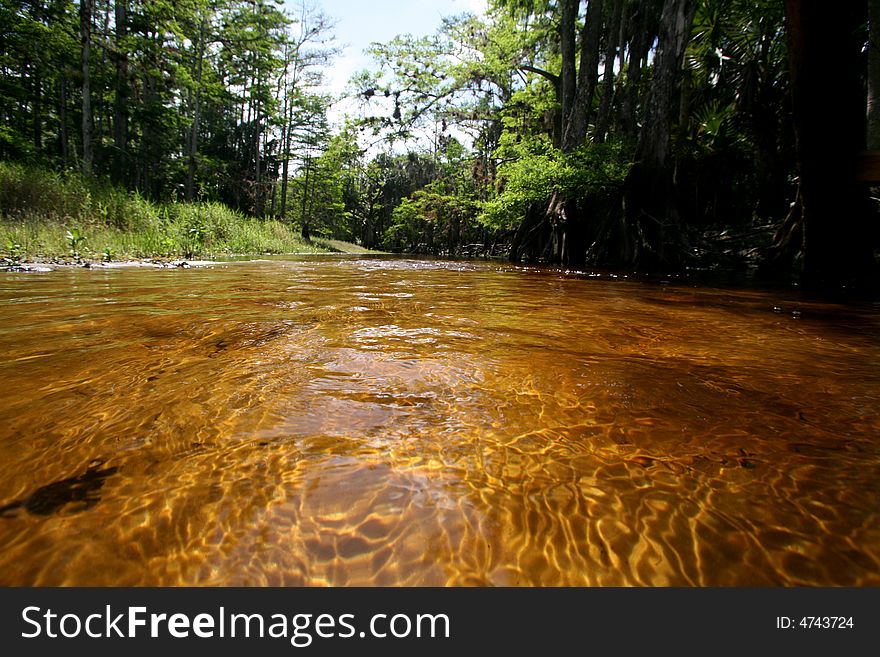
column 335, row 420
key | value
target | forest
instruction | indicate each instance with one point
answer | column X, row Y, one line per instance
column 653, row 135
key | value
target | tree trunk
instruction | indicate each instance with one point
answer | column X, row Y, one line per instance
column 62, row 121
column 101, row 28
column 874, row 75
column 675, row 26
column 148, row 141
column 197, row 112
column 650, row 213
column 258, row 174
column 120, row 108
column 85, row 29
column 304, row 219
column 829, row 111
column 568, row 79
column 526, row 234
column 560, row 222
column 639, row 45
column 603, row 118
column 37, row 12
column 287, row 136
column 285, row 166
column 37, row 109
column 285, row 147
column 578, row 119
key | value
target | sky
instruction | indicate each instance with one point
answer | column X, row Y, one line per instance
column 358, row 23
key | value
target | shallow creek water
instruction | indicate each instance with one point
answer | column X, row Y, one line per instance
column 344, row 421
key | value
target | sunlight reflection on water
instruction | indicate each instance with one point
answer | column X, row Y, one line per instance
column 378, row 421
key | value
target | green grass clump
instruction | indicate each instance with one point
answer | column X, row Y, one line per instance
column 60, row 216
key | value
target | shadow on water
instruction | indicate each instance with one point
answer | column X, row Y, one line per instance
column 74, row 494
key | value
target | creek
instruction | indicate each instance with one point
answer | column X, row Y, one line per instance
column 377, row 421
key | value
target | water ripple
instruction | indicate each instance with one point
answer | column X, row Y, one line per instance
column 406, row 422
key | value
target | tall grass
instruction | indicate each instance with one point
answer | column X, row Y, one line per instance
column 39, row 207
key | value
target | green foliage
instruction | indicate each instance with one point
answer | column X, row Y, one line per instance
column 542, row 171
column 38, row 40
column 14, row 253
column 31, row 225
column 407, row 228
column 737, row 62
column 431, row 220
column 455, row 77
column 27, row 191
column 74, row 238
column 188, row 100
column 733, row 144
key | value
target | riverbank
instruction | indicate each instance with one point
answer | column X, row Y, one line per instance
column 49, row 264
column 47, row 217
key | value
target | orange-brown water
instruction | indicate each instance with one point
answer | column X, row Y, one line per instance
column 381, row 422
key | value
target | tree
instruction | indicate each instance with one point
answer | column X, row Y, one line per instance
column 873, row 137
column 304, row 55
column 38, row 41
column 85, row 30
column 603, row 118
column 829, row 110
column 121, row 101
column 200, row 45
column 308, row 137
column 651, row 214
